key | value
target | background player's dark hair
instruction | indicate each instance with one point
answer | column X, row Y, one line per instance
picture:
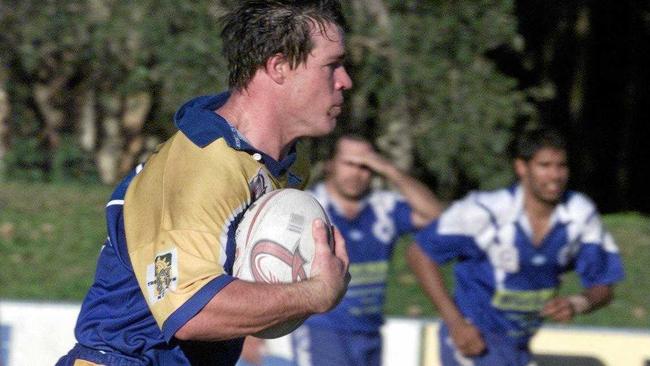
column 528, row 143
column 333, row 148
column 258, row 29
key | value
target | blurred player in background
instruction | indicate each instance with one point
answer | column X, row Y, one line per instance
column 371, row 221
column 164, row 292
column 511, row 248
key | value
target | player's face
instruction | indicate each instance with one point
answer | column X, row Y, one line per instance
column 349, row 179
column 545, row 176
column 316, row 86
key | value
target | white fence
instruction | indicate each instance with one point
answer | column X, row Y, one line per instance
column 37, row 333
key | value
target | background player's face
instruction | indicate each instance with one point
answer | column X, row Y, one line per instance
column 545, row 176
column 349, row 179
column 315, row 96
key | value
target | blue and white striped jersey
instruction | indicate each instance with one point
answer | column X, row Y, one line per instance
column 502, row 279
column 370, row 239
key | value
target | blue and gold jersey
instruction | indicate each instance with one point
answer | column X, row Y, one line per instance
column 170, row 249
column 502, row 279
column 370, row 239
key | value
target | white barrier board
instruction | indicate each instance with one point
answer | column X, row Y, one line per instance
column 38, row 333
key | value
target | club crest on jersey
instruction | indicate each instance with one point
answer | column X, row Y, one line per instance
column 162, row 275
column 259, row 185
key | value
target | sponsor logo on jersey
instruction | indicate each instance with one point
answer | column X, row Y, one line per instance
column 520, row 300
column 162, row 275
column 259, row 185
column 368, row 273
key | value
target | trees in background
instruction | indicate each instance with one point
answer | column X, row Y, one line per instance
column 442, row 86
column 85, row 76
column 425, row 83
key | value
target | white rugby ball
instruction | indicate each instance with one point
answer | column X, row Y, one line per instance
column 274, row 243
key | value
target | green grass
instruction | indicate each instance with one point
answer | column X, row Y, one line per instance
column 50, row 236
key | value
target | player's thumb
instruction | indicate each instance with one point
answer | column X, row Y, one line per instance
column 321, row 237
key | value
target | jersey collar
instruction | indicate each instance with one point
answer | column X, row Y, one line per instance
column 199, row 122
column 560, row 213
column 320, row 190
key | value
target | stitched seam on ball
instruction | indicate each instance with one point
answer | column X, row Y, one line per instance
column 250, row 227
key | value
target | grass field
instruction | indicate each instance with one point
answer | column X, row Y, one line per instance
column 50, row 236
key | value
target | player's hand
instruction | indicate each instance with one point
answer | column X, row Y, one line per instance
column 372, row 161
column 330, row 267
column 467, row 338
column 558, row 309
column 253, row 350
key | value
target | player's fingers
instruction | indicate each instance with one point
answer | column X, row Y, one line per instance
column 564, row 314
column 474, row 345
column 340, row 249
column 551, row 307
column 321, row 238
column 479, row 346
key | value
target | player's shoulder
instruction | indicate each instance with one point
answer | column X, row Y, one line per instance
column 579, row 206
column 385, row 195
column 497, row 203
column 385, row 200
column 477, row 211
column 319, row 191
column 189, row 171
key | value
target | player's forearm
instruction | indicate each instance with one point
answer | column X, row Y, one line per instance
column 424, row 203
column 431, row 281
column 592, row 299
column 244, row 308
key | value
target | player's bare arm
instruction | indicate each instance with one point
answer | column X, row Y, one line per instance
column 466, row 336
column 244, row 308
column 564, row 309
column 423, row 202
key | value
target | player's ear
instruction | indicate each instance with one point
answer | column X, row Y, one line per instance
column 276, row 67
column 328, row 166
column 520, row 167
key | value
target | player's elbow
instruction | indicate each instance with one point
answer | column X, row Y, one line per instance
column 185, row 333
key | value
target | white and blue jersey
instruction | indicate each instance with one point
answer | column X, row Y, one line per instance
column 502, row 279
column 370, row 238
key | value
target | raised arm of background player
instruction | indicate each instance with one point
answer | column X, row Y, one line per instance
column 467, row 338
column 243, row 308
column 424, row 204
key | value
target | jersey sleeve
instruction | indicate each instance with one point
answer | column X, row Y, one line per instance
column 402, row 216
column 178, row 225
column 454, row 234
column 598, row 261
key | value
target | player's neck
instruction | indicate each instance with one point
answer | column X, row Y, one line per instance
column 536, row 208
column 258, row 122
column 349, row 207
column 539, row 215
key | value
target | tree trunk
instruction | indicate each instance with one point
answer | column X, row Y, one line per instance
column 87, row 121
column 135, row 114
column 108, row 156
column 4, row 123
column 52, row 115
